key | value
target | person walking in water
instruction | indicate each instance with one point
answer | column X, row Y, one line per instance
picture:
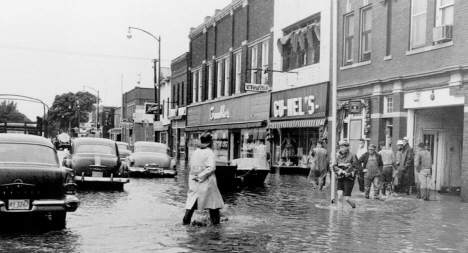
column 203, row 190
column 371, row 164
column 406, row 166
column 321, row 157
column 345, row 170
column 386, row 177
column 423, row 164
column 360, row 152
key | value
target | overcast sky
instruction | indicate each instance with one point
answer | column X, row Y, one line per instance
column 54, row 47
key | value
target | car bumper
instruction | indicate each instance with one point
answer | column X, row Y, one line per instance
column 121, row 180
column 69, row 204
column 152, row 171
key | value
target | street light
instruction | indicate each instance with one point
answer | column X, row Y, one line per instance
column 97, row 105
column 157, row 93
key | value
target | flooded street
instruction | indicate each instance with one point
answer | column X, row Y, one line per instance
column 284, row 215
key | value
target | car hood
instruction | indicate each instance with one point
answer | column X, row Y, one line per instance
column 141, row 159
column 107, row 163
column 42, row 181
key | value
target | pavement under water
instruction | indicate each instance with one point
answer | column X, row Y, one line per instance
column 283, row 215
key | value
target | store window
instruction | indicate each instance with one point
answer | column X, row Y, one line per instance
column 193, row 141
column 221, row 145
column 253, row 143
column 291, row 145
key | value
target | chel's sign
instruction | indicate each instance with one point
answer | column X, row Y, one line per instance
column 151, row 108
column 304, row 102
column 223, row 113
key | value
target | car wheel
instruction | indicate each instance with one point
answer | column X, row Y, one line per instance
column 58, row 219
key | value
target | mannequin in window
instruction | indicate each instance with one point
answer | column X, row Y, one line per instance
column 288, row 150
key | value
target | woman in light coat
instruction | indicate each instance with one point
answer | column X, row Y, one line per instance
column 203, row 190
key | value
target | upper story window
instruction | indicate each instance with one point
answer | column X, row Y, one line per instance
column 227, row 78
column 388, row 104
column 418, row 23
column 444, row 15
column 210, row 81
column 264, row 62
column 348, row 39
column 194, row 86
column 200, row 84
column 253, row 66
column 301, row 46
column 366, row 33
column 223, row 78
column 238, row 72
column 219, row 82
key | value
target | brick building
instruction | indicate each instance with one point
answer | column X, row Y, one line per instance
column 227, row 52
column 402, row 72
column 137, row 126
column 178, row 109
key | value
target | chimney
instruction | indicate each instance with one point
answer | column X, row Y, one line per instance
column 207, row 18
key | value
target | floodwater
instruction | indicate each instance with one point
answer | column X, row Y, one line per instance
column 283, row 215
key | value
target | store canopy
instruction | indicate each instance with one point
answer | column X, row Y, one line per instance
column 226, row 126
column 297, row 123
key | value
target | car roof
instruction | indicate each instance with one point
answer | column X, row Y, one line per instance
column 26, row 138
column 150, row 143
column 92, row 140
column 121, row 142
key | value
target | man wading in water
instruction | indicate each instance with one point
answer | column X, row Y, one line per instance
column 345, row 169
column 203, row 191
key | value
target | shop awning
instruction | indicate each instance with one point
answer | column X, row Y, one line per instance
column 297, row 123
column 251, row 124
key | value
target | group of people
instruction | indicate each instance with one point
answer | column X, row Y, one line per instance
column 383, row 170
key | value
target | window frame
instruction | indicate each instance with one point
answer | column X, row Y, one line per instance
column 200, row 85
column 227, row 76
column 412, row 17
column 194, row 86
column 210, row 82
column 364, row 33
column 253, row 63
column 238, row 59
column 388, row 104
column 219, row 83
column 265, row 54
column 439, row 12
column 348, row 39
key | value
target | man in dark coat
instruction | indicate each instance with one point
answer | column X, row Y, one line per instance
column 371, row 164
column 406, row 166
column 321, row 156
column 345, row 169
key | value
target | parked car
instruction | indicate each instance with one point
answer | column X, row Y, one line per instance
column 151, row 158
column 124, row 150
column 97, row 162
column 32, row 180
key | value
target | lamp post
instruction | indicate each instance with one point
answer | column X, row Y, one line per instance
column 157, row 93
column 97, row 105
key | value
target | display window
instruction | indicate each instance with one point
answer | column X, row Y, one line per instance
column 253, row 143
column 293, row 146
column 221, row 145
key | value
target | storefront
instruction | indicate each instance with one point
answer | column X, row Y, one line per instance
column 297, row 122
column 177, row 117
column 238, row 125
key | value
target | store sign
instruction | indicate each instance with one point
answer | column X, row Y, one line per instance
column 355, row 107
column 295, row 106
column 308, row 101
column 256, row 87
column 223, row 113
column 151, row 108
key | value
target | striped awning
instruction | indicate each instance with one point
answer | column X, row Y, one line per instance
column 297, row 123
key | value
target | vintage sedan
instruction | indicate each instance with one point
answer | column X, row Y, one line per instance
column 32, row 180
column 151, row 159
column 97, row 163
column 124, row 150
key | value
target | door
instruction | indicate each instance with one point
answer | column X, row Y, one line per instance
column 355, row 134
column 432, row 142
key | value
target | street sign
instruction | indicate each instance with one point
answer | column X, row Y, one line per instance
column 256, row 87
column 151, row 108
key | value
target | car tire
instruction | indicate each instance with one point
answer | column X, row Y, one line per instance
column 58, row 219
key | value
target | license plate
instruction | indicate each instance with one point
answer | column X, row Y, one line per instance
column 157, row 171
column 18, row 204
column 96, row 174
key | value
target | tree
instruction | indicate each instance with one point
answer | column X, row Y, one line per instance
column 9, row 112
column 67, row 107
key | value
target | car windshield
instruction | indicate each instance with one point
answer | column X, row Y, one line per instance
column 150, row 149
column 27, row 153
column 122, row 147
column 95, row 149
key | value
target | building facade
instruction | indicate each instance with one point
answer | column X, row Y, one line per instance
column 227, row 55
column 162, row 127
column 402, row 72
column 178, row 109
column 136, row 124
column 301, row 80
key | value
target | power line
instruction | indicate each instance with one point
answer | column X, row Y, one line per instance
column 72, row 53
